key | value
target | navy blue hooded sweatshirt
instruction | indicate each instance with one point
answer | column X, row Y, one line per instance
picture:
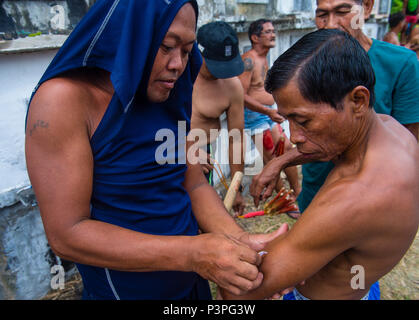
column 130, row 188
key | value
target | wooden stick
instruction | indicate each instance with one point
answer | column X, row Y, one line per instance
column 232, row 190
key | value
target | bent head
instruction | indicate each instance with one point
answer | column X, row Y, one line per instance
column 173, row 55
column 324, row 86
column 345, row 15
column 262, row 32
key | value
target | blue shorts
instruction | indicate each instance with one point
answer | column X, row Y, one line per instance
column 373, row 294
column 255, row 122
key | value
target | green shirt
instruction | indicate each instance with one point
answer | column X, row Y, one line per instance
column 396, row 6
column 412, row 7
column 396, row 93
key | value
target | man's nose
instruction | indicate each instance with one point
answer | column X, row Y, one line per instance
column 331, row 22
column 176, row 61
column 296, row 135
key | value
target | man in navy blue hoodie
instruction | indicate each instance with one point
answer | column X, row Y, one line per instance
column 108, row 202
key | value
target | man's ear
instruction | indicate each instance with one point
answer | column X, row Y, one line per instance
column 368, row 5
column 360, row 98
column 255, row 38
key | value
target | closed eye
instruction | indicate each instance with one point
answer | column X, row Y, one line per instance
column 166, row 48
column 302, row 123
column 343, row 12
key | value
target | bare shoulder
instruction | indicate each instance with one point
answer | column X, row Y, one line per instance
column 400, row 139
column 234, row 86
column 56, row 100
column 249, row 61
column 76, row 99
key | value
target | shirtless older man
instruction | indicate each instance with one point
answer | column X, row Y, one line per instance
column 260, row 113
column 366, row 215
column 217, row 90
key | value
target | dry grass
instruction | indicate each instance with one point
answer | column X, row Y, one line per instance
column 72, row 291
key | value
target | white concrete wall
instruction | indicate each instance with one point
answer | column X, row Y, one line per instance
column 25, row 257
column 19, row 74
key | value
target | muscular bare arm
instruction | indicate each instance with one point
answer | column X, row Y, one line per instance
column 263, row 184
column 60, row 166
column 316, row 239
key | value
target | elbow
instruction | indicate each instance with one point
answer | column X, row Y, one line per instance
column 61, row 247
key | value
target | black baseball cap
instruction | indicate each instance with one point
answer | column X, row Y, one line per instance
column 220, row 49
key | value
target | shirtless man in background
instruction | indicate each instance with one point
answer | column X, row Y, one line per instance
column 366, row 215
column 260, row 112
column 217, row 90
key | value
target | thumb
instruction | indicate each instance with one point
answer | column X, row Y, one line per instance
column 261, row 240
column 274, row 234
column 281, row 230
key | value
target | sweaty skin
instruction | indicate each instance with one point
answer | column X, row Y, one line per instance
column 212, row 97
column 357, row 218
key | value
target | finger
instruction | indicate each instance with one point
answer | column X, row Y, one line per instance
column 261, row 240
column 286, row 291
column 256, row 192
column 250, row 256
column 243, row 285
column 274, row 234
column 268, row 191
column 276, row 296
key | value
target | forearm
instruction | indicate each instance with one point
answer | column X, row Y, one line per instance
column 236, row 154
column 254, row 105
column 105, row 245
column 207, row 206
column 210, row 212
column 289, row 159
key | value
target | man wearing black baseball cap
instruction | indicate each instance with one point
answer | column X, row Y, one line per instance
column 218, row 90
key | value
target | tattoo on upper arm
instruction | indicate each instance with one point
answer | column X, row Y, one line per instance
column 38, row 124
column 248, row 64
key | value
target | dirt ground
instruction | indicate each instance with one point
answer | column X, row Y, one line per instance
column 402, row 283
